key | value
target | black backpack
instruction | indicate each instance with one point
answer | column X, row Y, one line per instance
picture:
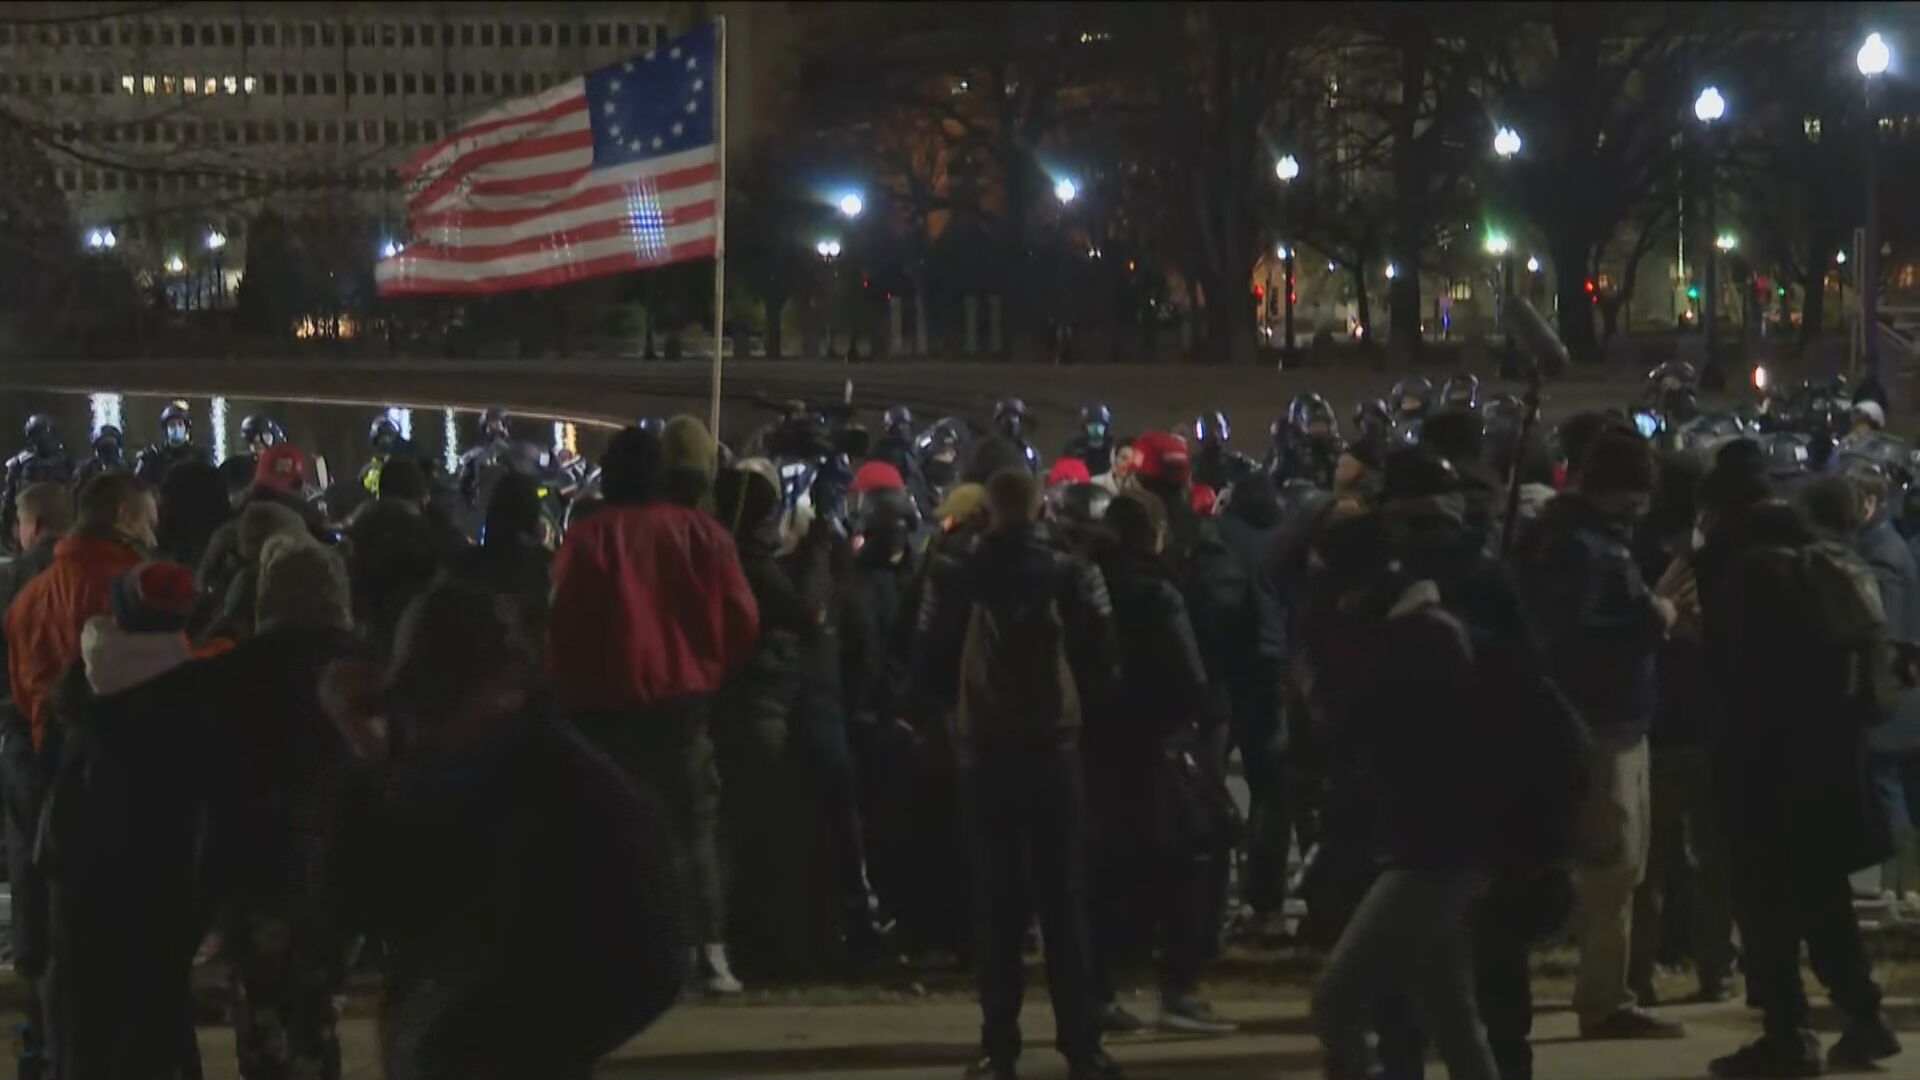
column 1014, row 675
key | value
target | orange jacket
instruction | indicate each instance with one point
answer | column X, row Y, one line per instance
column 44, row 621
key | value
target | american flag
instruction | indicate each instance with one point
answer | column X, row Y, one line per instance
column 611, row 172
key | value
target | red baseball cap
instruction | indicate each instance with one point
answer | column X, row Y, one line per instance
column 282, row 468
column 1068, row 470
column 1160, row 455
column 1205, row 500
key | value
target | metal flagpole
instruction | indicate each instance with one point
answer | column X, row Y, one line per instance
column 719, row 216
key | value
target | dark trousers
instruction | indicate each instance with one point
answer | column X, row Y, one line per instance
column 1779, row 906
column 667, row 748
column 22, row 789
column 818, row 740
column 1025, row 808
column 1685, row 836
column 1146, row 899
column 1517, row 910
column 1258, row 731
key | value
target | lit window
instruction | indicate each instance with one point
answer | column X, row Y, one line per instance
column 209, row 86
column 232, row 84
column 1462, row 290
column 191, row 84
column 1906, row 276
column 168, row 85
column 249, row 84
column 126, row 83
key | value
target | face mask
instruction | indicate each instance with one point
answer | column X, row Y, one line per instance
column 1097, row 432
column 175, row 434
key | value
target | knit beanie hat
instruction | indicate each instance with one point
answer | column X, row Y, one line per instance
column 302, row 586
column 686, row 444
column 153, row 598
column 877, row 476
column 281, row 468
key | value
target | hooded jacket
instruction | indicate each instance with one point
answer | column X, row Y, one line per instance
column 45, row 621
column 117, row 659
column 649, row 604
column 1595, row 615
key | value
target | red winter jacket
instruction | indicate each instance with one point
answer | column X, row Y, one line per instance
column 649, row 604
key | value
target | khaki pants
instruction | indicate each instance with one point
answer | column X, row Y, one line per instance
column 1613, row 841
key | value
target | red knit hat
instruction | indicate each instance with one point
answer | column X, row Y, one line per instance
column 153, row 597
column 282, row 468
column 878, row 476
column 1159, row 455
column 1068, row 470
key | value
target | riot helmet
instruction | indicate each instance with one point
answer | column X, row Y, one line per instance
column 383, row 433
column 1311, row 417
column 1096, row 422
column 1010, row 418
column 43, row 435
column 493, row 424
column 1410, row 398
column 260, row 432
column 176, row 425
column 1461, row 392
column 1212, row 428
column 897, row 422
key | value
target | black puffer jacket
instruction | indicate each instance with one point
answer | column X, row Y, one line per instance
column 1595, row 615
column 1163, row 681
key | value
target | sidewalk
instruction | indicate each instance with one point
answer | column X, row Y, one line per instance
column 932, row 1040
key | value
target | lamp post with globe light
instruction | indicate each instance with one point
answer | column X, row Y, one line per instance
column 216, row 246
column 828, row 248
column 1873, row 59
column 1708, row 108
column 1287, row 170
column 1506, row 143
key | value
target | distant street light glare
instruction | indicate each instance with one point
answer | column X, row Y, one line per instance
column 1710, row 105
column 1506, row 142
column 1840, row 257
column 1726, row 242
column 1287, row 168
column 1533, row 264
column 851, row 205
column 1065, row 191
column 216, row 239
column 828, row 249
column 1874, row 56
column 175, row 264
column 1392, row 271
column 1496, row 244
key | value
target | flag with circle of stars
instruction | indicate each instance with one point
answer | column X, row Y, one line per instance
column 659, row 102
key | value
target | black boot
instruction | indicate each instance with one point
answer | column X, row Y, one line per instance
column 1864, row 1042
column 1772, row 1057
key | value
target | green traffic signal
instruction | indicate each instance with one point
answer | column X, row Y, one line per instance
column 1693, row 292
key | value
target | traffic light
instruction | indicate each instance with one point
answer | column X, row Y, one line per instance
column 1693, row 292
column 1780, row 290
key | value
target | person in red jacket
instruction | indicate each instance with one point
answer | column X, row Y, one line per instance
column 651, row 611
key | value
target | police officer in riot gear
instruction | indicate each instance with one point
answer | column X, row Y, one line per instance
column 1309, row 442
column 1093, row 444
column 1214, row 463
column 43, row 460
column 1011, row 421
column 1462, row 391
column 1673, row 391
column 1408, row 404
column 109, row 453
column 483, row 464
column 174, row 446
column 257, row 433
column 939, row 449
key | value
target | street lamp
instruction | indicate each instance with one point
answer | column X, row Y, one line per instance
column 1726, row 242
column 851, row 205
column 1506, row 142
column 1533, row 264
column 1709, row 107
column 216, row 239
column 828, row 248
column 1287, row 170
column 102, row 240
column 1392, row 271
column 175, row 264
column 1065, row 190
column 391, row 248
column 1873, row 59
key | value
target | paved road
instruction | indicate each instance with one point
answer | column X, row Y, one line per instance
column 931, row 1040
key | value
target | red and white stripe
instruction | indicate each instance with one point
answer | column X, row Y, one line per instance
column 511, row 201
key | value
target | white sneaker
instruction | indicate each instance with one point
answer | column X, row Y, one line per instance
column 714, row 974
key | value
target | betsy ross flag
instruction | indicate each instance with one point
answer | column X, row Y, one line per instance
column 611, row 172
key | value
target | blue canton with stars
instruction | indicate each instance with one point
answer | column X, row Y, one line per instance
column 659, row 102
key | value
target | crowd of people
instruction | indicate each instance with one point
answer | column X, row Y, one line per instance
column 838, row 702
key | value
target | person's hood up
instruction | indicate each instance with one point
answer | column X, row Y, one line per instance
column 264, row 519
column 747, row 501
column 991, row 454
column 962, row 503
column 117, row 660
column 687, row 446
column 302, row 586
column 1253, row 500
